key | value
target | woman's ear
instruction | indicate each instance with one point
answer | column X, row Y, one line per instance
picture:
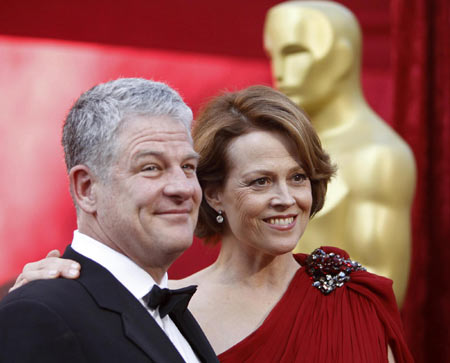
column 82, row 185
column 213, row 197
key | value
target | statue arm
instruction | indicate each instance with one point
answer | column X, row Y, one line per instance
column 383, row 216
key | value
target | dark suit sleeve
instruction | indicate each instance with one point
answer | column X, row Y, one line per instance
column 31, row 332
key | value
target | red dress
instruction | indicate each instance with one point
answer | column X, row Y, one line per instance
column 352, row 323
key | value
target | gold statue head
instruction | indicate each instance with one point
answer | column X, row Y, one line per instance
column 315, row 49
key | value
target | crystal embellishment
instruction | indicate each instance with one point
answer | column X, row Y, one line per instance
column 329, row 270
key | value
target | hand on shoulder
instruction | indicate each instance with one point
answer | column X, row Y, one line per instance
column 50, row 267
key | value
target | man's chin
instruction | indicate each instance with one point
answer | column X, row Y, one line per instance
column 179, row 242
column 173, row 252
column 167, row 254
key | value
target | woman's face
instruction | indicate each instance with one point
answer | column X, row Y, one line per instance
column 267, row 195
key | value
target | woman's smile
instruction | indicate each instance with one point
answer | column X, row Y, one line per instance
column 282, row 223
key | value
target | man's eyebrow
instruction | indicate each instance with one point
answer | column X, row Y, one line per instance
column 142, row 154
column 158, row 154
column 193, row 155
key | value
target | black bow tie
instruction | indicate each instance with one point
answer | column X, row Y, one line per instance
column 169, row 300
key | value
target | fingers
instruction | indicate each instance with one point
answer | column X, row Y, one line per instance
column 19, row 282
column 54, row 253
column 48, row 268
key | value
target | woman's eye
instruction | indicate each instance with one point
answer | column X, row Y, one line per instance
column 260, row 182
column 299, row 177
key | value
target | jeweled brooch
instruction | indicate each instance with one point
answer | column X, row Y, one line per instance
column 330, row 270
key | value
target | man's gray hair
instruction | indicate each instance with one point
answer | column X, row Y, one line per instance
column 94, row 119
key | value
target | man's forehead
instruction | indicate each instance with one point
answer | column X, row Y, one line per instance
column 157, row 127
column 158, row 122
column 139, row 131
column 161, row 146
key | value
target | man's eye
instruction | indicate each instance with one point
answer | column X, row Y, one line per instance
column 150, row 168
column 189, row 167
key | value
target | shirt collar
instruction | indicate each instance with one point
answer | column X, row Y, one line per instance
column 129, row 274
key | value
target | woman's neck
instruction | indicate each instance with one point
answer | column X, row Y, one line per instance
column 247, row 266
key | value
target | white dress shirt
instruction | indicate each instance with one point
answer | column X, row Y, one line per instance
column 138, row 283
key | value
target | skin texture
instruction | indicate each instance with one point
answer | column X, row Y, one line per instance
column 148, row 208
column 265, row 184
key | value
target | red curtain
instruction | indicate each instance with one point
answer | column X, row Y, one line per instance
column 421, row 115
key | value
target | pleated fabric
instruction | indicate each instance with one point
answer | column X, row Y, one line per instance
column 354, row 323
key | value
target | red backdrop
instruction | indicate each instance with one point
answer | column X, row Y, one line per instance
column 422, row 115
column 52, row 51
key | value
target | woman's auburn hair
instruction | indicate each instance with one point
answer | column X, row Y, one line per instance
column 232, row 114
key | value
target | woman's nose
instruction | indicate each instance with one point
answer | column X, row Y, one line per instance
column 283, row 197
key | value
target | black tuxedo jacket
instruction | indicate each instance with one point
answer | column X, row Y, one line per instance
column 91, row 319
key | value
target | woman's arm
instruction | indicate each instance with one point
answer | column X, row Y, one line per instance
column 391, row 358
column 51, row 267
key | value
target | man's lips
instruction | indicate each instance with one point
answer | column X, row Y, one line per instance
column 175, row 211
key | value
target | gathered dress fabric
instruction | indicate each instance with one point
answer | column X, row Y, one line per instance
column 353, row 323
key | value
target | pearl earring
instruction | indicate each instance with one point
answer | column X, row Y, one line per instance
column 219, row 217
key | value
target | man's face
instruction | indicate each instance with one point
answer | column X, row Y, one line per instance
column 149, row 206
column 299, row 41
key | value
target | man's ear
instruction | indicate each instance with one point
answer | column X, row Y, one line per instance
column 82, row 183
column 213, row 197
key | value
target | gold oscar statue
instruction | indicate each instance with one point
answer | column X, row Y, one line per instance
column 315, row 50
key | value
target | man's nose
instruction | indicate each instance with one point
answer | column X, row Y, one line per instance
column 180, row 186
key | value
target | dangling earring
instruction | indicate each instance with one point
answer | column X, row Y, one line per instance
column 219, row 217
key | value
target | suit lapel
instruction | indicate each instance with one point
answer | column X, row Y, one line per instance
column 138, row 325
column 147, row 334
column 190, row 329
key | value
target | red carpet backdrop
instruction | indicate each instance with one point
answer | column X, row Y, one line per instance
column 52, row 51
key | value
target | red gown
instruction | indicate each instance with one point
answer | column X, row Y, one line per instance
column 353, row 323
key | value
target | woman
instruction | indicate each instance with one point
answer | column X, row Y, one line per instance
column 264, row 174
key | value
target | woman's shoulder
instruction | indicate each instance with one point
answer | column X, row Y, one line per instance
column 330, row 268
column 331, row 272
column 358, row 298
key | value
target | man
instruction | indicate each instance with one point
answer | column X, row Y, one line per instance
column 132, row 177
column 315, row 50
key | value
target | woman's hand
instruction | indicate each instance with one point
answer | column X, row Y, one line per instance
column 50, row 267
